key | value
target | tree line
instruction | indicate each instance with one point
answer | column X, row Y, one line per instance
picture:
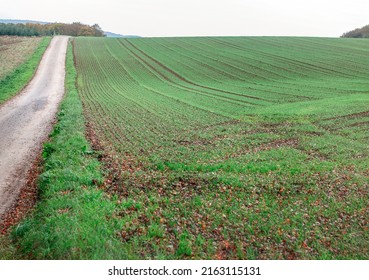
column 50, row 29
column 357, row 33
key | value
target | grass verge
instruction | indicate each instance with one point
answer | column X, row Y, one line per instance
column 70, row 219
column 15, row 81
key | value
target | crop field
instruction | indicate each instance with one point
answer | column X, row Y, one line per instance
column 19, row 58
column 231, row 148
column 14, row 51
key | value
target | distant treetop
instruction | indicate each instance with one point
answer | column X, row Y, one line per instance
column 357, row 33
column 49, row 29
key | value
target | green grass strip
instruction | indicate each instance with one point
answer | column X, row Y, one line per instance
column 70, row 220
column 17, row 80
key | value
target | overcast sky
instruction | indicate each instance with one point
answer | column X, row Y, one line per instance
column 328, row 18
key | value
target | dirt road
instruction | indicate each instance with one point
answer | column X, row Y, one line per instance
column 26, row 121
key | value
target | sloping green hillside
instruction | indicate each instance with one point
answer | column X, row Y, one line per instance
column 231, row 148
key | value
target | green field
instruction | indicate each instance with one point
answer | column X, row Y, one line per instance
column 19, row 58
column 14, row 51
column 232, row 147
column 211, row 148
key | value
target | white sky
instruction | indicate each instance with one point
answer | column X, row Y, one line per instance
column 328, row 18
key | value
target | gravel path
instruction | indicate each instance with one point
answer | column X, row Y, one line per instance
column 26, row 121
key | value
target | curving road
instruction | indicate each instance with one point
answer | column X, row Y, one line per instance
column 26, row 121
